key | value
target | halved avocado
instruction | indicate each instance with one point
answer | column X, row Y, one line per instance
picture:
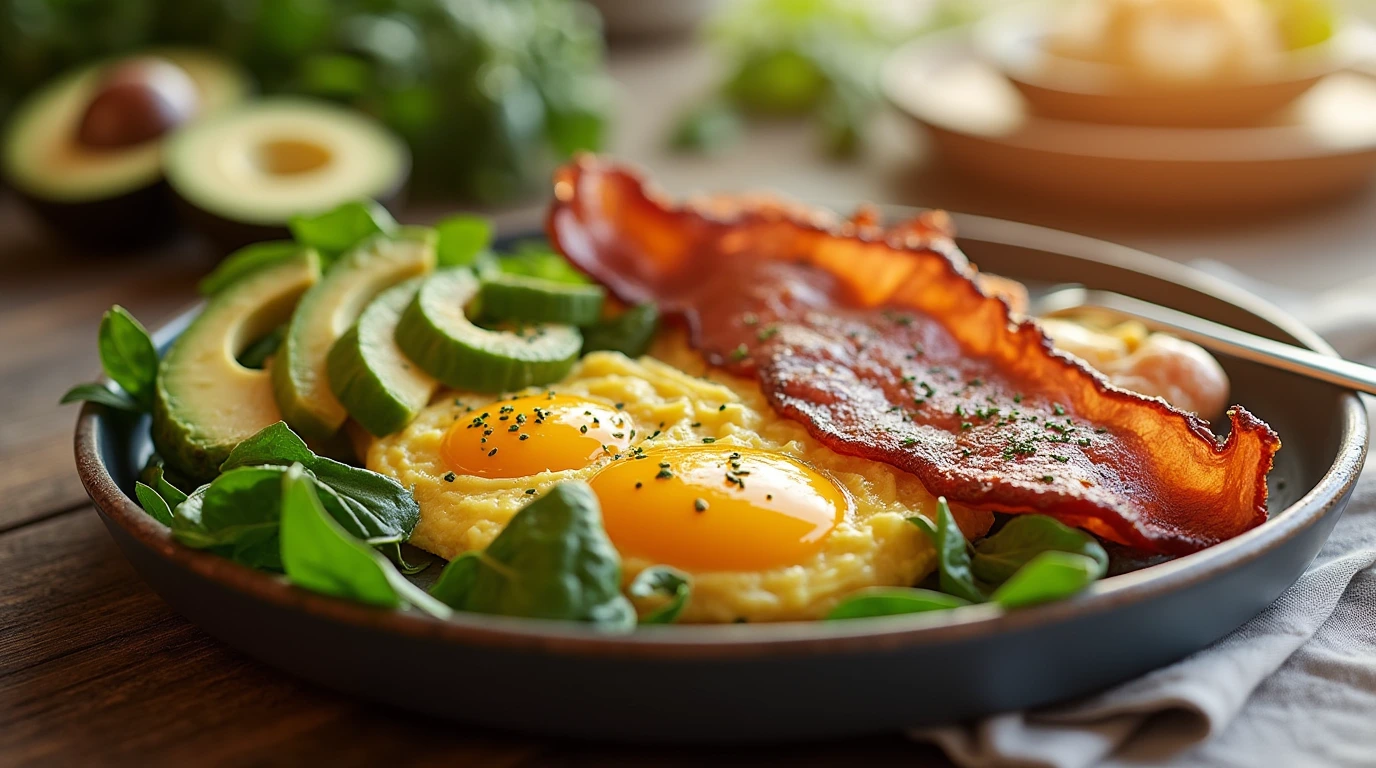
column 206, row 400
column 300, row 376
column 86, row 150
column 242, row 176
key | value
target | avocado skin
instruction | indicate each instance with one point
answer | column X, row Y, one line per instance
column 139, row 217
column 180, row 450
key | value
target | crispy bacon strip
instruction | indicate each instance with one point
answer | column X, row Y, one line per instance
column 884, row 345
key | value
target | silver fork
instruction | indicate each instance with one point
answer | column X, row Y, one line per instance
column 1210, row 335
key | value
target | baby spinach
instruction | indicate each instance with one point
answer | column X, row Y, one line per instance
column 953, row 557
column 552, row 561
column 1032, row 559
column 169, row 492
column 1052, row 575
column 237, row 516
column 246, row 261
column 341, row 228
column 629, row 333
column 95, row 392
column 130, row 360
column 373, row 507
column 1023, row 538
column 319, row 555
column 671, row 584
column 462, row 240
column 893, row 601
column 155, row 505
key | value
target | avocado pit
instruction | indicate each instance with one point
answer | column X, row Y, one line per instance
column 138, row 100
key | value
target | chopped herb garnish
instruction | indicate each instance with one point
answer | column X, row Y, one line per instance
column 700, row 505
column 1048, row 479
column 449, row 477
column 1058, row 409
column 709, row 439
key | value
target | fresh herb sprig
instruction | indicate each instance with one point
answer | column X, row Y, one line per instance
column 130, row 360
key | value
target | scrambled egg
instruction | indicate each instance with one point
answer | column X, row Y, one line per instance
column 697, row 473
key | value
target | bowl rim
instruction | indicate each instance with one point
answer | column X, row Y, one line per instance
column 1196, row 146
column 788, row 638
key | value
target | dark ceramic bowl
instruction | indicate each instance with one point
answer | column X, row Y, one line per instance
column 796, row 680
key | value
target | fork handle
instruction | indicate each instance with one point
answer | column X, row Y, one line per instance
column 1222, row 338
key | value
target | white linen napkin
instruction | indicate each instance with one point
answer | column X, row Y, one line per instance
column 1295, row 686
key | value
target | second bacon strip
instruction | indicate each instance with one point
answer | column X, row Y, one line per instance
column 885, row 347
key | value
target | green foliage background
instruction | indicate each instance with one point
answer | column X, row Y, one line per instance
column 488, row 93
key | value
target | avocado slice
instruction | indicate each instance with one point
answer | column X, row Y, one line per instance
column 85, row 151
column 436, row 334
column 381, row 389
column 300, row 375
column 241, row 176
column 206, row 400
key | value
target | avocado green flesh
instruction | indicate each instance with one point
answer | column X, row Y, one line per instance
column 41, row 157
column 435, row 333
column 207, row 402
column 294, row 156
column 300, row 371
column 533, row 300
column 381, row 389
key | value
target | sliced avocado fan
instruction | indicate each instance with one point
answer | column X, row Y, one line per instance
column 206, row 401
column 435, row 333
column 381, row 389
column 300, row 375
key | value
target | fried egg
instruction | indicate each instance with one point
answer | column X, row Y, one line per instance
column 692, row 468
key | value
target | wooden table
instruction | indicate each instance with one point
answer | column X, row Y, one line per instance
column 95, row 669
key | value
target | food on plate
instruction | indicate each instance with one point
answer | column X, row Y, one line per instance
column 370, row 374
column 656, row 442
column 301, row 382
column 1158, row 364
column 753, row 411
column 888, row 349
column 1190, row 41
column 86, row 150
column 207, row 401
column 243, row 175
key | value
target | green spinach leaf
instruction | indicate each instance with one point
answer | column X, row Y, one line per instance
column 101, row 395
column 552, row 561
column 371, row 506
column 1023, row 538
column 629, row 333
column 671, row 584
column 893, row 601
column 237, row 516
column 462, row 240
column 319, row 555
column 336, row 231
column 246, row 261
column 153, row 504
column 128, row 355
column 1052, row 575
column 953, row 557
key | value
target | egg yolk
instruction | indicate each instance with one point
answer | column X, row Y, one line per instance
column 718, row 509
column 529, row 435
